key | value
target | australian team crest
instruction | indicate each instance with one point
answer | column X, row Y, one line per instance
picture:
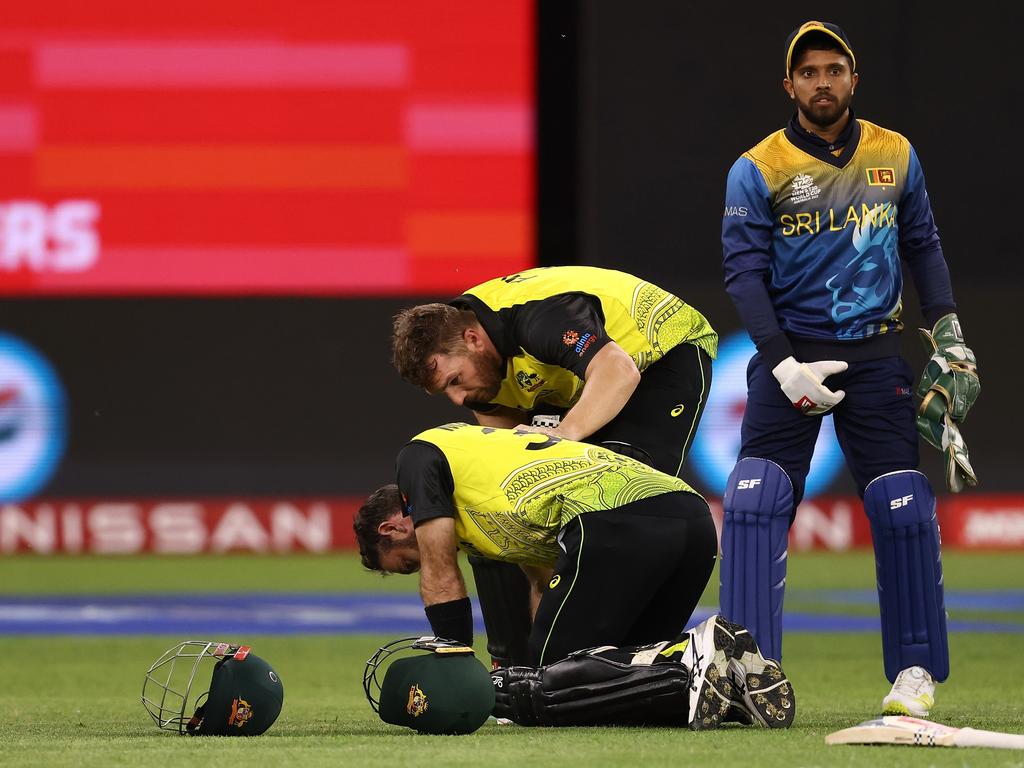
column 417, row 701
column 241, row 713
column 528, row 381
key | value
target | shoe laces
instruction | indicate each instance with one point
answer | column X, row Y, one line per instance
column 695, row 670
column 738, row 683
column 696, row 666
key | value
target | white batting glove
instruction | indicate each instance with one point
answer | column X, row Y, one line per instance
column 801, row 383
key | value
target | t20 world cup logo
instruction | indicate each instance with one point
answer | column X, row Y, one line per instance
column 33, row 420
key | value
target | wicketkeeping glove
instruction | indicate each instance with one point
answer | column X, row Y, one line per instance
column 801, row 383
column 943, row 433
column 949, row 382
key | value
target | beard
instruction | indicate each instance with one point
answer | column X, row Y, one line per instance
column 825, row 115
column 387, row 543
column 490, row 372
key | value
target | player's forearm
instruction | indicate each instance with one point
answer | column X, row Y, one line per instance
column 440, row 578
column 612, row 378
column 447, row 607
column 502, row 417
column 441, row 586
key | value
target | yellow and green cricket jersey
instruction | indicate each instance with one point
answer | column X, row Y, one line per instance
column 548, row 323
column 510, row 491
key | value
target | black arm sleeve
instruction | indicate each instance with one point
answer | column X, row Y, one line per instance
column 931, row 279
column 452, row 620
column 565, row 330
column 754, row 305
column 920, row 247
column 425, row 482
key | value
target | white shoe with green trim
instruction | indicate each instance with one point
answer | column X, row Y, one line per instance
column 912, row 694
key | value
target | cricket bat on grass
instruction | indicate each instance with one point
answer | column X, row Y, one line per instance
column 922, row 733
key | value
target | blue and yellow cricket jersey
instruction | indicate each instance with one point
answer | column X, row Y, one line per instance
column 825, row 232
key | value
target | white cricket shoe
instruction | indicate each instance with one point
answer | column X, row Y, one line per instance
column 707, row 656
column 912, row 694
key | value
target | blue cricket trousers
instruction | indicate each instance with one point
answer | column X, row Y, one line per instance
column 875, row 422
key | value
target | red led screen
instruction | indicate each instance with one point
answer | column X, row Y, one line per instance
column 190, row 148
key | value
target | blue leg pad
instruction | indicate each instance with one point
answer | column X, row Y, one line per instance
column 908, row 564
column 758, row 509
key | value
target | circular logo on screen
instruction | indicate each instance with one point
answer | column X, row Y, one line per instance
column 33, row 420
column 717, row 443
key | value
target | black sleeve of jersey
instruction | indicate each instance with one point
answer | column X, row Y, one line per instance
column 425, row 482
column 934, row 288
column 565, row 330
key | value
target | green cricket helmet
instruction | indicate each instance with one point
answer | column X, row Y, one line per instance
column 432, row 685
column 244, row 696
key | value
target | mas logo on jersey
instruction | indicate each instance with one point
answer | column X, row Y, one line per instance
column 32, row 420
column 569, row 338
column 881, row 177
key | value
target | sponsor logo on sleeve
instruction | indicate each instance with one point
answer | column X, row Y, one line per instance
column 580, row 344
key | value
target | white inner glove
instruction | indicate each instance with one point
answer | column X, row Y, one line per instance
column 801, row 383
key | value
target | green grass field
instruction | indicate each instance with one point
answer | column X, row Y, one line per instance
column 75, row 700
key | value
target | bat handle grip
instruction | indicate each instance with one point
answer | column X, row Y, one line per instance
column 971, row 737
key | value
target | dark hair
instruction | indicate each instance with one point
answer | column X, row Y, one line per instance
column 421, row 332
column 815, row 41
column 381, row 505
